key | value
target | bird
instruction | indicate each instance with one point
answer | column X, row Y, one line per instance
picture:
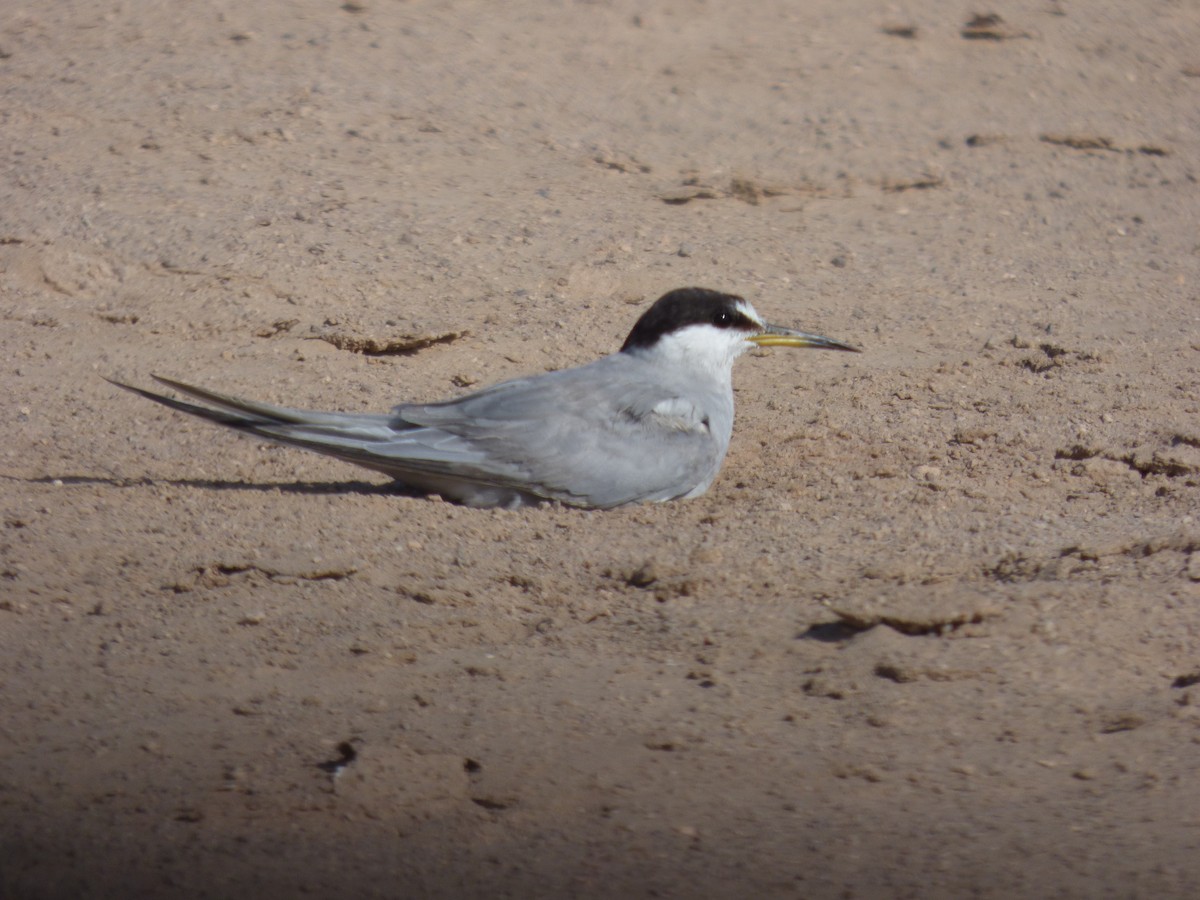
column 649, row 423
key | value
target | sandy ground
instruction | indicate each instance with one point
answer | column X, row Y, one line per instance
column 934, row 632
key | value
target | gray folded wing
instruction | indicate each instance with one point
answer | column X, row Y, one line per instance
column 602, row 435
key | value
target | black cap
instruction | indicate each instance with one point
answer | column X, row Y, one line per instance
column 688, row 306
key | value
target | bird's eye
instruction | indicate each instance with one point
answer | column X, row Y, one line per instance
column 722, row 318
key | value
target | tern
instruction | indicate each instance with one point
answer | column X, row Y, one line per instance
column 649, row 423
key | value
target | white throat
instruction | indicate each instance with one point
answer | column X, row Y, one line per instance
column 701, row 350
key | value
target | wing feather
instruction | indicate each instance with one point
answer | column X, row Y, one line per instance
column 613, row 432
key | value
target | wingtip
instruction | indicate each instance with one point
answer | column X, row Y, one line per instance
column 133, row 389
column 121, row 384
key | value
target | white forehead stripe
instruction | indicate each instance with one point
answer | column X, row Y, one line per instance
column 748, row 311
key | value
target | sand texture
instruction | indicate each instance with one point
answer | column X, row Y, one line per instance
column 933, row 633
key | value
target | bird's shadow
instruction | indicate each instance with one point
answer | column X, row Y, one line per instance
column 310, row 488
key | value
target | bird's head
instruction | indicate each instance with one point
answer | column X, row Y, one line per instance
column 707, row 330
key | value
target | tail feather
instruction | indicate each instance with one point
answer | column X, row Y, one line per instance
column 221, row 417
column 347, row 435
column 265, row 413
column 384, row 443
